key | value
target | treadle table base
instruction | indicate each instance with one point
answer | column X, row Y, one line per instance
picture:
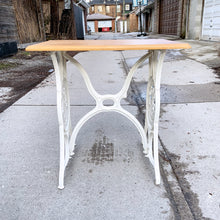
column 156, row 49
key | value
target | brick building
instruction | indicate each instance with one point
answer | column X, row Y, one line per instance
column 100, row 23
column 117, row 9
column 188, row 19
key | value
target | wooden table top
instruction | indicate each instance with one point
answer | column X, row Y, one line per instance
column 88, row 45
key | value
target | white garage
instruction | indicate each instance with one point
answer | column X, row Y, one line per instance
column 100, row 23
column 103, row 24
column 211, row 20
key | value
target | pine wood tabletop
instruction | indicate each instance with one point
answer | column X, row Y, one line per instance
column 88, row 45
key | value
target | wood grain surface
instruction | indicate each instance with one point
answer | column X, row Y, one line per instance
column 87, row 45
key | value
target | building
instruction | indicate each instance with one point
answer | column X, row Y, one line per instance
column 118, row 9
column 108, row 7
column 144, row 9
column 203, row 20
column 100, row 23
column 199, row 20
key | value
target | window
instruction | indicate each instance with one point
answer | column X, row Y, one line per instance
column 92, row 8
column 127, row 7
column 107, row 9
column 118, row 8
column 99, row 8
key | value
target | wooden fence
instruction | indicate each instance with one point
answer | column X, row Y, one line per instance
column 29, row 18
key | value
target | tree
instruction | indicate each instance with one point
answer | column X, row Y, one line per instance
column 29, row 19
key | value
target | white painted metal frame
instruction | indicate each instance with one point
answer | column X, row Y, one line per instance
column 149, row 133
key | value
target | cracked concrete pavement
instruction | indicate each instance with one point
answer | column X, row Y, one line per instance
column 109, row 178
column 189, row 127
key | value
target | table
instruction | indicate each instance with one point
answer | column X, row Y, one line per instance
column 156, row 49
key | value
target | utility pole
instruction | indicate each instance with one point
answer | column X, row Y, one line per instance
column 123, row 15
column 116, row 4
column 144, row 34
column 140, row 17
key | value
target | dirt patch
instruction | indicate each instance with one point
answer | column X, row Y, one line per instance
column 217, row 72
column 22, row 72
column 25, row 55
column 100, row 152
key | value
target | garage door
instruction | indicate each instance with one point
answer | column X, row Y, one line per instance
column 91, row 25
column 103, row 24
column 211, row 20
column 169, row 13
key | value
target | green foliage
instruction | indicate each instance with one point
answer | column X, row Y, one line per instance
column 4, row 65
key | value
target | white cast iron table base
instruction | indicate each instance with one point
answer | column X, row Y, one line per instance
column 149, row 133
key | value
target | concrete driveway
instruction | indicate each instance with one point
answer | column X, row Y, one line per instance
column 109, row 177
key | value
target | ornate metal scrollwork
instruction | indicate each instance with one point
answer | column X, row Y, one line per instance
column 151, row 103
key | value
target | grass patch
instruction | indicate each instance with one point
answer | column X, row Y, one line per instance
column 26, row 55
column 7, row 65
column 22, row 54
